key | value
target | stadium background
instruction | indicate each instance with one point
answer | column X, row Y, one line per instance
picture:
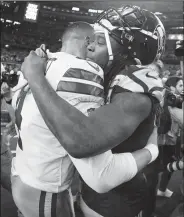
column 26, row 25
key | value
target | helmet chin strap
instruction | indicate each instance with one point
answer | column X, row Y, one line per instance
column 99, row 28
column 109, row 47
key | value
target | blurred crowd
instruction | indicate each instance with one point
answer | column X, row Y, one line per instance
column 17, row 37
column 13, row 56
column 169, row 55
column 21, row 40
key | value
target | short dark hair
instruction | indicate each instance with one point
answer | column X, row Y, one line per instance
column 172, row 81
column 76, row 29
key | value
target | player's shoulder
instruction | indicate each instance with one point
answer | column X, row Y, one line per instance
column 147, row 71
column 62, row 58
column 76, row 61
column 132, row 69
column 88, row 66
column 133, row 101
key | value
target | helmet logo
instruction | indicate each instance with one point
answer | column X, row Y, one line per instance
column 129, row 37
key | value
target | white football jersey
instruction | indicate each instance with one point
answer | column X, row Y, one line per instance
column 41, row 161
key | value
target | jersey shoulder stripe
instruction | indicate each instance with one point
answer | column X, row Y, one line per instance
column 81, row 88
column 84, row 75
column 131, row 70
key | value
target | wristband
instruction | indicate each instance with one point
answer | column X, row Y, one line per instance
column 153, row 149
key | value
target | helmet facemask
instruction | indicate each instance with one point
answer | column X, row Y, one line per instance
column 123, row 19
column 131, row 23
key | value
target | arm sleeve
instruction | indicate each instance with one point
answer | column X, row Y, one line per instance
column 106, row 171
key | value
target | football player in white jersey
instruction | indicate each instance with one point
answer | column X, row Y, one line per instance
column 42, row 168
column 142, row 36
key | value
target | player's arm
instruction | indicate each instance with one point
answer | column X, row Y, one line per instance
column 83, row 136
column 107, row 171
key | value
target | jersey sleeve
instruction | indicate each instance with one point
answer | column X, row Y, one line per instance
column 106, row 171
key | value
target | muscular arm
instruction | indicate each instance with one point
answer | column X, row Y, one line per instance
column 83, row 136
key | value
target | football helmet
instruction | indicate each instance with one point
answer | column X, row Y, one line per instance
column 140, row 32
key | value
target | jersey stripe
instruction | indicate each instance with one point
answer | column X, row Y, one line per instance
column 139, row 81
column 156, row 89
column 42, row 204
column 83, row 74
column 130, row 70
column 54, row 205
column 117, row 89
column 81, row 81
column 81, row 88
column 18, row 116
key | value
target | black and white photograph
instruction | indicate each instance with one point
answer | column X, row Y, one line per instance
column 92, row 105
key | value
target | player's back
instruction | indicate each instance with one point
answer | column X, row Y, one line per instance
column 78, row 81
column 41, row 161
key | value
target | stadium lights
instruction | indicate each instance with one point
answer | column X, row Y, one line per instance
column 175, row 37
column 181, row 27
column 75, row 9
column 16, row 23
column 6, row 5
column 92, row 11
column 158, row 13
column 9, row 21
column 95, row 11
column 31, row 12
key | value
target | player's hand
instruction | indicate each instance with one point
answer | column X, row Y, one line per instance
column 153, row 137
column 41, row 51
column 33, row 66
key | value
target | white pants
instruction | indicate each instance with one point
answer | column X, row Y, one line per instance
column 36, row 203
